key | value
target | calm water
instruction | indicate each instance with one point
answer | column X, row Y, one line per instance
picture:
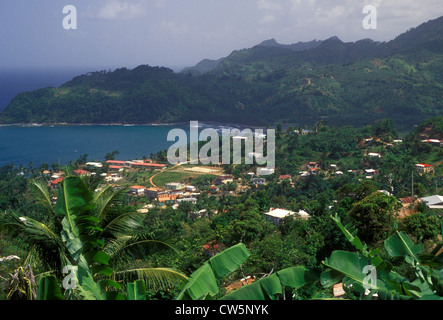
column 22, row 145
column 61, row 144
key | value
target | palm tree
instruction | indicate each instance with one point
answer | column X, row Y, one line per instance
column 57, row 243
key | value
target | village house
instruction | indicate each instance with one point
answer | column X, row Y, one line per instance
column 166, row 198
column 46, row 173
column 113, row 177
column 312, row 167
column 223, row 180
column 265, row 171
column 116, row 163
column 276, row 215
column 285, row 177
column 143, row 165
column 94, row 165
column 435, row 142
column 433, row 202
column 137, row 190
column 116, row 168
column 58, row 174
column 54, row 183
column 191, row 200
column 303, row 131
column 370, row 173
column 152, row 193
column 81, row 172
column 191, row 189
column 424, row 168
column 174, row 186
column 374, row 155
column 258, row 181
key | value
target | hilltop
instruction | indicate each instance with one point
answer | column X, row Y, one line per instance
column 298, row 84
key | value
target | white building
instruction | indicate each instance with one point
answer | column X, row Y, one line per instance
column 433, row 202
column 265, row 171
column 174, row 186
column 276, row 215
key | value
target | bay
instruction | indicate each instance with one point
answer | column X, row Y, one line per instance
column 22, row 145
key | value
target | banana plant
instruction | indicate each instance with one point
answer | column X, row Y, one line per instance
column 203, row 284
column 83, row 220
column 84, row 239
column 349, row 267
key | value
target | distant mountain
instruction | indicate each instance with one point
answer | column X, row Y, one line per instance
column 208, row 65
column 298, row 84
column 202, row 67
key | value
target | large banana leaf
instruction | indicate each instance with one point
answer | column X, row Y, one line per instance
column 74, row 199
column 201, row 283
column 400, row 245
column 204, row 281
column 270, row 287
column 137, row 290
column 229, row 260
column 49, row 289
column 349, row 267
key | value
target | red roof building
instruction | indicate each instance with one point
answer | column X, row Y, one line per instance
column 54, row 183
column 81, row 172
column 116, row 162
column 148, row 165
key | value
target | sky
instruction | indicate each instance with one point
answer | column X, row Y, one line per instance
column 179, row 33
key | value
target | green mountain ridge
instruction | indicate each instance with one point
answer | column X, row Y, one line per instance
column 342, row 83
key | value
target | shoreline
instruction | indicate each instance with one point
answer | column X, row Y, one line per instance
column 65, row 124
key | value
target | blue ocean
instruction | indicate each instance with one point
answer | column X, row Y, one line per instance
column 61, row 144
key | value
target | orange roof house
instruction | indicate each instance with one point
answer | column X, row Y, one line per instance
column 54, row 183
column 137, row 190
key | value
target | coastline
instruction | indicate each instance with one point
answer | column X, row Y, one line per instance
column 66, row 124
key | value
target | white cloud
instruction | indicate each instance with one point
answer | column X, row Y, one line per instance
column 116, row 9
column 269, row 5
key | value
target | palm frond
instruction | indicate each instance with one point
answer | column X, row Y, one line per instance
column 40, row 190
column 155, row 278
column 44, row 242
column 124, row 249
column 107, row 200
column 123, row 224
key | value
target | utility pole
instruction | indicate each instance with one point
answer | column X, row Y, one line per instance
column 412, row 185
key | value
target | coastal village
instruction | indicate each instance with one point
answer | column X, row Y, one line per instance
column 171, row 185
column 151, row 184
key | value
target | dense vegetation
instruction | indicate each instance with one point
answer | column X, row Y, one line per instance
column 171, row 240
column 342, row 83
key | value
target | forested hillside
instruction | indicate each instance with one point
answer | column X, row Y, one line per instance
column 342, row 83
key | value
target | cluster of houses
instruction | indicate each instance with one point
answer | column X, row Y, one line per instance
column 173, row 194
